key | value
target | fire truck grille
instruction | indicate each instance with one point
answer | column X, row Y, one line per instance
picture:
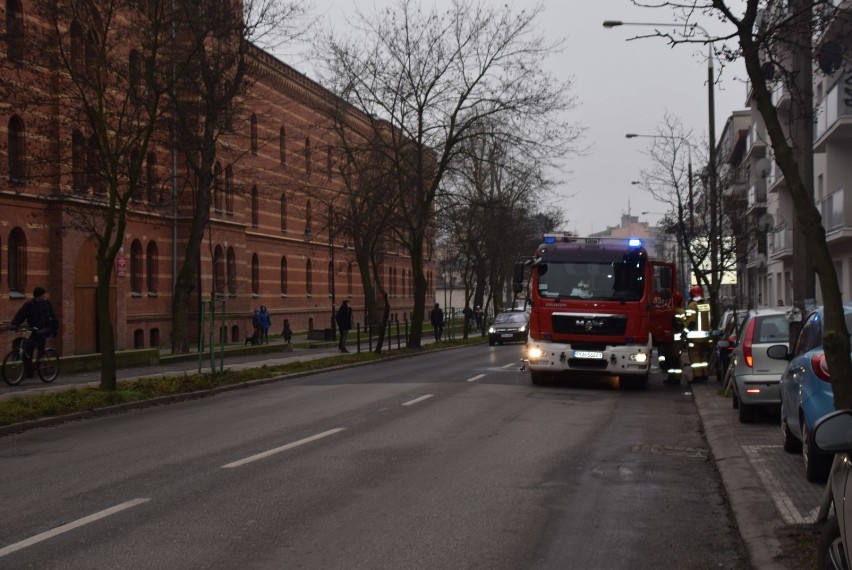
column 589, row 325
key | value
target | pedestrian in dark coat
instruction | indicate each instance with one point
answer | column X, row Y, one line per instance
column 343, row 318
column 436, row 317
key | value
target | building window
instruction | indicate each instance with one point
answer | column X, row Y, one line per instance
column 219, row 270
column 254, row 134
column 283, row 213
column 134, row 73
column 155, row 338
column 14, row 30
column 93, row 166
column 78, row 48
column 139, row 338
column 330, row 279
column 232, row 271
column 136, row 267
column 308, row 221
column 308, row 156
column 152, row 267
column 78, row 161
column 17, row 150
column 283, row 275
column 152, row 180
column 329, row 162
column 309, row 279
column 255, row 275
column 132, row 160
column 229, row 190
column 17, row 258
column 217, row 187
column 282, row 146
column 254, row 208
column 349, row 280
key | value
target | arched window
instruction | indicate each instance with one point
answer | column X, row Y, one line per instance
column 308, row 156
column 139, row 338
column 283, row 213
column 133, row 159
column 134, row 73
column 283, row 275
column 254, row 134
column 308, row 221
column 93, row 166
column 78, row 48
column 217, row 187
column 349, row 280
column 17, row 258
column 229, row 190
column 255, row 214
column 152, row 180
column 330, row 279
column 232, row 271
column 255, row 275
column 17, row 151
column 78, row 161
column 14, row 30
column 155, row 338
column 219, row 270
column 282, row 146
column 309, row 279
column 136, row 267
column 329, row 161
column 152, row 267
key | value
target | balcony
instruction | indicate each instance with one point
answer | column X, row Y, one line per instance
column 831, row 209
column 833, row 120
column 756, row 144
column 780, row 242
column 757, row 198
column 781, row 97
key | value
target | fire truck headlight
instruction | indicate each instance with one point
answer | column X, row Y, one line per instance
column 639, row 357
column 535, row 352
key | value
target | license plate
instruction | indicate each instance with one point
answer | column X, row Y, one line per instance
column 587, row 354
column 507, row 335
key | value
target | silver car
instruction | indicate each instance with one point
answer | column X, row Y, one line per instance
column 833, row 434
column 755, row 377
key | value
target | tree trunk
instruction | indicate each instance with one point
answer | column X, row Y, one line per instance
column 106, row 332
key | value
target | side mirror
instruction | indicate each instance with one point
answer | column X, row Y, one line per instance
column 833, row 433
column 723, row 344
column 717, row 333
column 778, row 352
column 518, row 277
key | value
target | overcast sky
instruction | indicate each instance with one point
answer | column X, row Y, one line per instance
column 621, row 86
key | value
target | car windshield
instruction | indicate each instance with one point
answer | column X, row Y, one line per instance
column 513, row 317
column 604, row 281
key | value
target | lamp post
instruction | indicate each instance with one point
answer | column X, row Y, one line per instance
column 715, row 198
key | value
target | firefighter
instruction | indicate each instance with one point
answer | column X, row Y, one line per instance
column 670, row 363
column 698, row 333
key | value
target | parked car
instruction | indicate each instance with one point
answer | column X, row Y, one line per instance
column 806, row 394
column 755, row 377
column 509, row 326
column 833, row 434
column 725, row 337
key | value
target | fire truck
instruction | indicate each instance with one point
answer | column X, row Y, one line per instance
column 599, row 306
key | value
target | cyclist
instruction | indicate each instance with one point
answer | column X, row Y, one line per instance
column 38, row 313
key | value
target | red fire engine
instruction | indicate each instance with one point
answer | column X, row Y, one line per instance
column 599, row 306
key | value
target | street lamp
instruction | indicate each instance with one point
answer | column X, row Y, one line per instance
column 715, row 198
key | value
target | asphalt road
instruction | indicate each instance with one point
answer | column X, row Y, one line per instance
column 447, row 460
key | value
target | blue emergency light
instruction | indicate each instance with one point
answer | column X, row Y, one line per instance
column 634, row 242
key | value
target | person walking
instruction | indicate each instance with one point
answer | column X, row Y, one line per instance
column 343, row 318
column 264, row 321
column 436, row 317
column 287, row 333
column 38, row 313
column 477, row 316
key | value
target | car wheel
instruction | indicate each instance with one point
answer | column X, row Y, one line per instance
column 491, row 342
column 791, row 442
column 735, row 402
column 817, row 465
column 830, row 549
column 746, row 414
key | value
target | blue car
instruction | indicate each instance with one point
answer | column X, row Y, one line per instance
column 806, row 394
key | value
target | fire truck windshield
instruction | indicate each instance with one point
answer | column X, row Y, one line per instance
column 600, row 281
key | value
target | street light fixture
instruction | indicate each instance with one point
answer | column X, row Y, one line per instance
column 715, row 198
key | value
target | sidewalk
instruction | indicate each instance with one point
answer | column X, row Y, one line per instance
column 766, row 486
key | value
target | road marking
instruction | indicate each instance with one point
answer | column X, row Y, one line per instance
column 266, row 454
column 70, row 526
column 510, row 365
column 475, row 378
column 416, row 400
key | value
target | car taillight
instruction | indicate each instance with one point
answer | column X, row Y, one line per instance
column 748, row 337
column 820, row 367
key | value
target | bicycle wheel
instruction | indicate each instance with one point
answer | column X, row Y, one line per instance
column 48, row 365
column 13, row 368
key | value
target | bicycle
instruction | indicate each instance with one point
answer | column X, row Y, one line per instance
column 46, row 365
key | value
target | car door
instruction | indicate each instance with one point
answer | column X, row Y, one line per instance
column 809, row 338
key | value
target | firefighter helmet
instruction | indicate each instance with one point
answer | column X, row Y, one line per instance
column 696, row 291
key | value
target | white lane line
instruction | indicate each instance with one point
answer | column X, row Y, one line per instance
column 266, row 454
column 510, row 365
column 417, row 400
column 70, row 526
column 475, row 378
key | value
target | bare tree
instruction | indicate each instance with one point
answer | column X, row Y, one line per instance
column 434, row 76
column 773, row 37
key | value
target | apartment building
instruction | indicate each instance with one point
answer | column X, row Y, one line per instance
column 268, row 240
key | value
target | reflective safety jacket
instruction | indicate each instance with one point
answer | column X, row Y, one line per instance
column 698, row 320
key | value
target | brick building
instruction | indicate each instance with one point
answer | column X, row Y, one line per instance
column 268, row 241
